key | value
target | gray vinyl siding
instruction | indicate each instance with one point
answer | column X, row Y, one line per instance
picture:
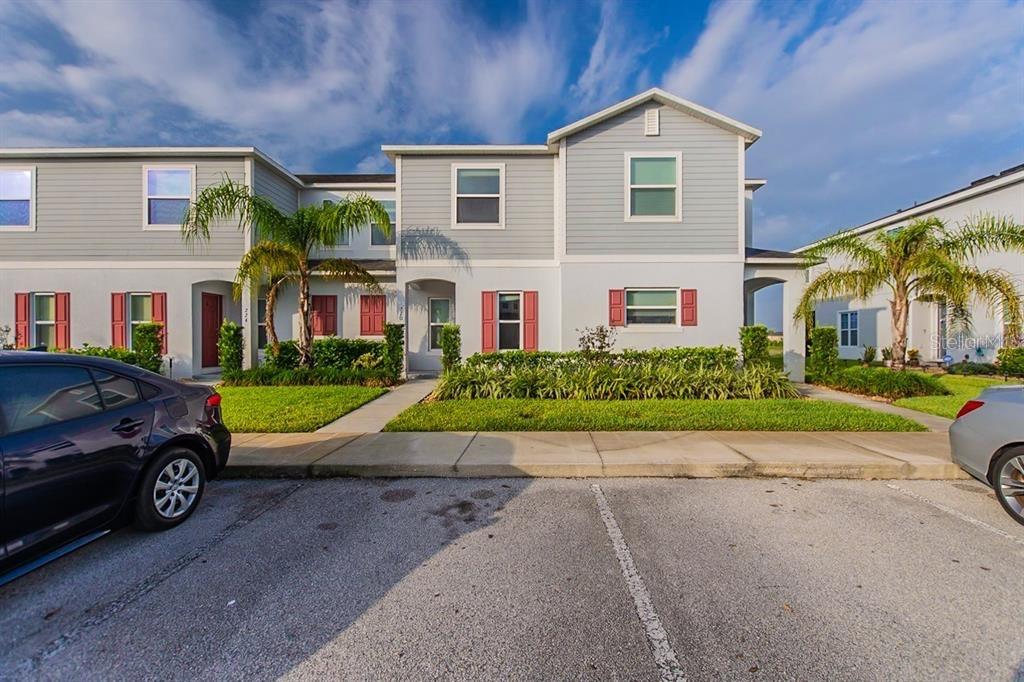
column 595, row 187
column 271, row 184
column 426, row 232
column 92, row 209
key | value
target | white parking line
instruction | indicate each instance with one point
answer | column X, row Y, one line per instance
column 657, row 638
column 958, row 514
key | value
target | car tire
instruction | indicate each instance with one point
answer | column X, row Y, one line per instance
column 171, row 489
column 1009, row 465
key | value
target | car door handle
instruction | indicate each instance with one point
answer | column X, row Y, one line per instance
column 127, row 425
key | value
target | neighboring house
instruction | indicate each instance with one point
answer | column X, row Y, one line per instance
column 868, row 323
column 637, row 216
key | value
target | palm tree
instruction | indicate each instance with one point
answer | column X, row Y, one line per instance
column 925, row 261
column 286, row 243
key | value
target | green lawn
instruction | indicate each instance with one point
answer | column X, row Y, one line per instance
column 644, row 415
column 286, row 409
column 964, row 388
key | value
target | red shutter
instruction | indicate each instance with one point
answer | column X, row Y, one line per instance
column 317, row 315
column 21, row 302
column 117, row 329
column 617, row 307
column 160, row 314
column 365, row 316
column 688, row 307
column 372, row 314
column 330, row 312
column 62, row 321
column 489, row 322
column 529, row 320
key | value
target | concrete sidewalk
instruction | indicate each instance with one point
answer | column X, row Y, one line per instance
column 933, row 422
column 688, row 454
column 372, row 416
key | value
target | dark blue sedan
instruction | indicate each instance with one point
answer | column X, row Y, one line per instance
column 88, row 443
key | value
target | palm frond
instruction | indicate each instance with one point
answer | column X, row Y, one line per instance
column 983, row 234
column 856, row 284
column 266, row 260
column 848, row 246
column 225, row 201
column 350, row 215
column 349, row 271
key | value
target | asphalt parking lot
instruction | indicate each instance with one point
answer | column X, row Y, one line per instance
column 539, row 579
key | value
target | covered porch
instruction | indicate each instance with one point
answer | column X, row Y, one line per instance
column 765, row 268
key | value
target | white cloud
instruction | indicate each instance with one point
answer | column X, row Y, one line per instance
column 300, row 80
column 882, row 81
column 614, row 67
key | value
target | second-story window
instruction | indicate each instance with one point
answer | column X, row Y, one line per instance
column 478, row 196
column 168, row 193
column 17, row 209
column 377, row 236
column 653, row 193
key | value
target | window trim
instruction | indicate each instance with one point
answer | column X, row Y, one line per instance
column 431, row 324
column 394, row 230
column 628, row 186
column 146, row 225
column 33, row 338
column 454, row 196
column 498, row 321
column 31, row 227
column 131, row 322
column 839, row 328
column 676, row 322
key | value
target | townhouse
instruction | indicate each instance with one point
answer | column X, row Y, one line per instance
column 638, row 216
column 868, row 323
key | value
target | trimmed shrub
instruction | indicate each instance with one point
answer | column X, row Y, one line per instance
column 823, row 359
column 754, row 344
column 451, row 346
column 1011, row 361
column 230, row 345
column 316, row 376
column 885, row 383
column 601, row 381
column 148, row 344
column 331, row 352
column 973, row 369
column 110, row 352
column 695, row 357
column 393, row 355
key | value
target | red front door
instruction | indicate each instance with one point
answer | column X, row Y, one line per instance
column 213, row 313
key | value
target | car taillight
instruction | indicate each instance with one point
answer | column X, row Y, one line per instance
column 213, row 400
column 969, row 406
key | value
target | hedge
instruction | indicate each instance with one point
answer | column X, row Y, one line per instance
column 637, row 381
column 147, row 352
column 302, row 376
column 973, row 369
column 823, row 358
column 754, row 344
column 1011, row 361
column 884, row 382
column 451, row 346
column 330, row 352
column 690, row 357
column 230, row 345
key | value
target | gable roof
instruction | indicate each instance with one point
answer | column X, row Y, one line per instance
column 748, row 133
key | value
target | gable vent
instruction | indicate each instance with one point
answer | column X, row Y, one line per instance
column 652, row 122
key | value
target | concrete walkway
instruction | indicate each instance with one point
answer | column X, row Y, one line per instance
column 372, row 416
column 690, row 454
column 931, row 421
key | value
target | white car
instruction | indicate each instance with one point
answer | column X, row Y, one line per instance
column 987, row 440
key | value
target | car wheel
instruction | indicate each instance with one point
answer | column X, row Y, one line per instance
column 170, row 490
column 1009, row 483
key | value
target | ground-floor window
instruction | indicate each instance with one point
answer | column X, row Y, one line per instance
column 44, row 320
column 651, row 306
column 440, row 315
column 140, row 311
column 261, row 323
column 510, row 321
column 849, row 329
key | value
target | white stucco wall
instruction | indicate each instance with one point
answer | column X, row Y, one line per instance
column 91, row 288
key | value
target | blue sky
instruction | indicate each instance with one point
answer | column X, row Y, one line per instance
column 866, row 107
